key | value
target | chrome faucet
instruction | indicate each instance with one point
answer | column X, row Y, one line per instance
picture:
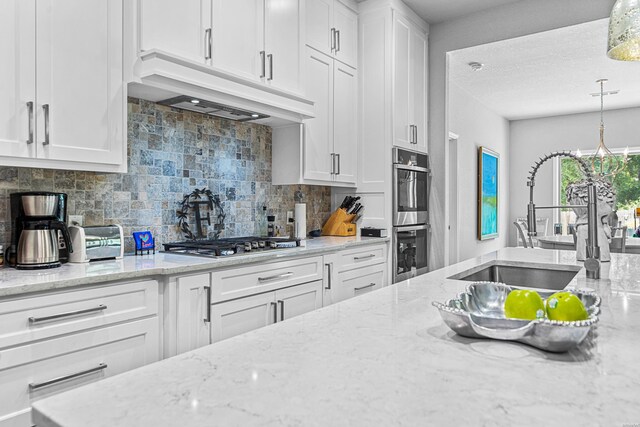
column 592, row 263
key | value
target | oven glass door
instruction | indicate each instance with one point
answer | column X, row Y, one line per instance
column 410, row 255
column 411, row 195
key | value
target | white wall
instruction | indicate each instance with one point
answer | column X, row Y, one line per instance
column 533, row 138
column 500, row 23
column 477, row 126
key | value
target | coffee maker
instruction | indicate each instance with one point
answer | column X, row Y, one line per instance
column 39, row 234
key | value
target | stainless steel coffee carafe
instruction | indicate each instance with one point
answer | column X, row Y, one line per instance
column 39, row 233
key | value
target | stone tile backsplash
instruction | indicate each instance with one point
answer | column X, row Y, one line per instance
column 172, row 152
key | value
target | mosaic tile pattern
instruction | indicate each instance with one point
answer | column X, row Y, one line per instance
column 171, row 152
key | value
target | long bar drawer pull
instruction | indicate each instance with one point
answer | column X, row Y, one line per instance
column 370, row 285
column 37, row 386
column 277, row 276
column 358, row 258
column 34, row 320
column 208, row 302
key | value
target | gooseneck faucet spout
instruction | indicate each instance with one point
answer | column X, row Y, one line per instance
column 592, row 263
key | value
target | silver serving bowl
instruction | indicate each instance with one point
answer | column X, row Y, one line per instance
column 479, row 313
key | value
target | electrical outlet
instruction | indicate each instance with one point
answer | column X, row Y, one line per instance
column 75, row 220
column 290, row 217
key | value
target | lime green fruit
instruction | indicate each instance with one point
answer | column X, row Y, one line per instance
column 565, row 306
column 524, row 304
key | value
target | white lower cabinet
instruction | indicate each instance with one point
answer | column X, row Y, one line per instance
column 354, row 272
column 190, row 297
column 242, row 315
column 41, row 369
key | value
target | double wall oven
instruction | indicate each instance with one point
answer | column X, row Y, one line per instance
column 411, row 182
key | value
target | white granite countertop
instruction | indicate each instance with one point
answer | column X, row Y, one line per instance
column 385, row 358
column 15, row 282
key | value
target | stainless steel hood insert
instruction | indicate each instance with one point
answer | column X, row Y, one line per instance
column 198, row 105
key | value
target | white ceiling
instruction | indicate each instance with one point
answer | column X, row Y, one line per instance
column 547, row 74
column 435, row 11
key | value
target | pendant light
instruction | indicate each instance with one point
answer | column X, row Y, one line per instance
column 624, row 31
column 604, row 163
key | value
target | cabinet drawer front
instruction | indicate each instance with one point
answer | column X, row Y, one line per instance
column 358, row 282
column 361, row 257
column 42, row 369
column 256, row 278
column 45, row 316
column 236, row 317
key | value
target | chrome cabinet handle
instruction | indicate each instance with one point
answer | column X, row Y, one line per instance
column 338, row 157
column 281, row 302
column 370, row 285
column 34, row 320
column 37, row 386
column 358, row 258
column 328, row 276
column 207, row 43
column 333, row 163
column 30, row 108
column 277, row 276
column 263, row 64
column 333, row 39
column 337, row 41
column 415, row 131
column 208, row 302
column 270, row 57
column 275, row 312
column 45, row 107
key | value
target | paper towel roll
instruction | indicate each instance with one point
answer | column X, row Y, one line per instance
column 300, row 217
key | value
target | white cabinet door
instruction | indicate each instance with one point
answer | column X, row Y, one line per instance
column 318, row 143
column 236, row 317
column 345, row 122
column 193, row 312
column 345, row 22
column 319, row 21
column 80, row 111
column 282, row 44
column 238, row 37
column 176, row 27
column 402, row 130
column 298, row 300
column 17, row 78
column 71, row 361
column 418, row 66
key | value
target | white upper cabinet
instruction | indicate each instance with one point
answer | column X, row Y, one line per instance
column 17, row 82
column 256, row 40
column 345, row 122
column 332, row 28
column 237, row 37
column 410, row 85
column 177, row 27
column 64, row 98
column 319, row 157
column 79, row 80
column 282, row 44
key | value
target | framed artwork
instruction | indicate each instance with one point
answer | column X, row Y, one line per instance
column 488, row 193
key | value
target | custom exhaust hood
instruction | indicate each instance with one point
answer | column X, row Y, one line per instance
column 181, row 83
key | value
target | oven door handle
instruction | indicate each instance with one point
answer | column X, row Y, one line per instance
column 411, row 168
column 402, row 229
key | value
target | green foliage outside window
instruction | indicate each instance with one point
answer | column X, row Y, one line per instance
column 626, row 182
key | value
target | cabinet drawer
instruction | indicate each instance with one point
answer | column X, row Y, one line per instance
column 358, row 282
column 71, row 361
column 361, row 257
column 257, row 278
column 48, row 315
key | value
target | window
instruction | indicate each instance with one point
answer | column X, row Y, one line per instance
column 626, row 184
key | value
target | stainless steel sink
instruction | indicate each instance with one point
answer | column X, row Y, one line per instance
column 553, row 277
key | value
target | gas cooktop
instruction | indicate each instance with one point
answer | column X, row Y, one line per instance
column 230, row 246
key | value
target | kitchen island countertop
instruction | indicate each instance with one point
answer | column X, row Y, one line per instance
column 17, row 282
column 385, row 358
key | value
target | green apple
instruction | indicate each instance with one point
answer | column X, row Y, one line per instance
column 565, row 306
column 524, row 304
